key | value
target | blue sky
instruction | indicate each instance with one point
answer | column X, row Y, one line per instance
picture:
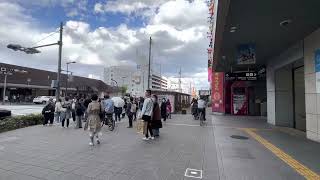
column 110, row 32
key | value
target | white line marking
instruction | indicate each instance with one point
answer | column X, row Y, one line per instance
column 190, row 125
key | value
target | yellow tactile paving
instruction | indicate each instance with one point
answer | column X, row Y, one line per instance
column 297, row 166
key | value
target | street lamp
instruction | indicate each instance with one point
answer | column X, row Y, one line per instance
column 115, row 82
column 33, row 50
column 71, row 62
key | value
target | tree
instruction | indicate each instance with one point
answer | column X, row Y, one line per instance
column 123, row 90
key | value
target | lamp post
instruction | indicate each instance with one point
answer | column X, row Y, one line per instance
column 115, row 82
column 34, row 50
column 71, row 62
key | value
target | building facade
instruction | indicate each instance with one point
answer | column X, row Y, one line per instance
column 134, row 78
column 286, row 41
column 27, row 83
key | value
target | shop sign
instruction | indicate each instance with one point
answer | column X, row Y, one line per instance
column 204, row 92
column 246, row 54
column 244, row 76
column 217, row 92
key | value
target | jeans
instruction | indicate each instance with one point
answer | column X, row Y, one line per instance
column 78, row 121
column 203, row 110
column 58, row 117
column 130, row 116
column 63, row 120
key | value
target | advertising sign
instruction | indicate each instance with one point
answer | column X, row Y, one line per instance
column 217, row 95
column 245, row 76
column 317, row 60
column 246, row 54
column 204, row 92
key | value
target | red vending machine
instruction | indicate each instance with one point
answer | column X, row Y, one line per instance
column 239, row 98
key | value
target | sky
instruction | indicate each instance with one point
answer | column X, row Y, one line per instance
column 100, row 33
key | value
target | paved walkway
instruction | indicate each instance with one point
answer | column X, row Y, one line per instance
column 50, row 153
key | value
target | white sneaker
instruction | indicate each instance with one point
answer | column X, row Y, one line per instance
column 90, row 144
column 152, row 138
column 146, row 139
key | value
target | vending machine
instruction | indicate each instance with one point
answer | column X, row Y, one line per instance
column 239, row 98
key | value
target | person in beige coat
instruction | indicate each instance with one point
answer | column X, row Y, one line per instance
column 94, row 121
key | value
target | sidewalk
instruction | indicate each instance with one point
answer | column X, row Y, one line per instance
column 50, row 153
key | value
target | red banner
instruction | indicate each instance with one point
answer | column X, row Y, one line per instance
column 217, row 94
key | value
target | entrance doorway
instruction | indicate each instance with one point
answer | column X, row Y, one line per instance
column 299, row 99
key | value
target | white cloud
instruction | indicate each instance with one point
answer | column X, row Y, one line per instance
column 177, row 40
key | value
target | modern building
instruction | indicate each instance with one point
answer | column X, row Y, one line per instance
column 281, row 38
column 135, row 79
column 27, row 83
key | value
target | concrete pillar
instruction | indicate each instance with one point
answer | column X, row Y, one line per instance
column 312, row 86
column 271, row 99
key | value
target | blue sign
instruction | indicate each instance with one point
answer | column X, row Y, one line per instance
column 246, row 54
column 317, row 60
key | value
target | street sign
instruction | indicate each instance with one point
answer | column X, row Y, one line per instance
column 243, row 76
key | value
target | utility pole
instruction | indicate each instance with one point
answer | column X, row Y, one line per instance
column 180, row 89
column 149, row 63
column 59, row 63
column 4, row 88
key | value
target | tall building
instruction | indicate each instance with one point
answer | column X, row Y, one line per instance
column 135, row 79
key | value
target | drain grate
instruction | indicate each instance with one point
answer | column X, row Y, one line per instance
column 239, row 137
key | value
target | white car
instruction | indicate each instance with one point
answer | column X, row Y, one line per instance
column 43, row 99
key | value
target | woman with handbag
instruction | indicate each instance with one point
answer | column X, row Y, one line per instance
column 93, row 124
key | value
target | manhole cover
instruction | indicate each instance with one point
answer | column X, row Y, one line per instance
column 239, row 137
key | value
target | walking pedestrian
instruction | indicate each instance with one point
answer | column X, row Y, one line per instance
column 86, row 103
column 128, row 112
column 48, row 112
column 79, row 112
column 73, row 109
column 134, row 109
column 146, row 115
column 156, row 117
column 58, row 111
column 66, row 111
column 169, row 109
column 164, row 109
column 108, row 107
column 94, row 121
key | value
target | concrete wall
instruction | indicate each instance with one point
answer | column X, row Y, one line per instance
column 311, row 43
column 291, row 55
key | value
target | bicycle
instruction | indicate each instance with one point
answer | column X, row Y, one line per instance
column 109, row 121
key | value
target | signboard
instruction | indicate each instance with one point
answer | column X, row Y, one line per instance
column 204, row 92
column 244, row 76
column 317, row 60
column 246, row 54
column 217, row 95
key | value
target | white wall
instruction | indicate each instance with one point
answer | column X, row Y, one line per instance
column 312, row 43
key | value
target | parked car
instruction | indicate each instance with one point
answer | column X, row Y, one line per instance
column 43, row 99
column 4, row 113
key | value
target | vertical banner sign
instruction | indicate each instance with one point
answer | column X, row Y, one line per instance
column 217, row 94
column 317, row 69
column 209, row 64
column 246, row 54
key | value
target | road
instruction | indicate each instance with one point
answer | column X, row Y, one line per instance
column 17, row 110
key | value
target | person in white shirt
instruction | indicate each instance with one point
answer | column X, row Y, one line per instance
column 202, row 104
column 146, row 114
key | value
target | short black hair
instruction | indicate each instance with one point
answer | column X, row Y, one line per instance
column 94, row 97
column 66, row 98
column 155, row 96
column 131, row 98
column 148, row 91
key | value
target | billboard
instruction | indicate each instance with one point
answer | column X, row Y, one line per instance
column 217, row 95
column 246, row 54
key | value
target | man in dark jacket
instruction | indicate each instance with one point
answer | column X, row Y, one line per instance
column 128, row 112
column 164, row 109
column 48, row 112
column 79, row 112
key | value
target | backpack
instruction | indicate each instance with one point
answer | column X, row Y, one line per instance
column 108, row 106
column 133, row 107
column 79, row 108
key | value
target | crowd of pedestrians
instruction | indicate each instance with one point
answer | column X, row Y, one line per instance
column 93, row 111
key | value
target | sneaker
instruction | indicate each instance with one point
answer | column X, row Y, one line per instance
column 90, row 144
column 98, row 141
column 152, row 138
column 146, row 139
